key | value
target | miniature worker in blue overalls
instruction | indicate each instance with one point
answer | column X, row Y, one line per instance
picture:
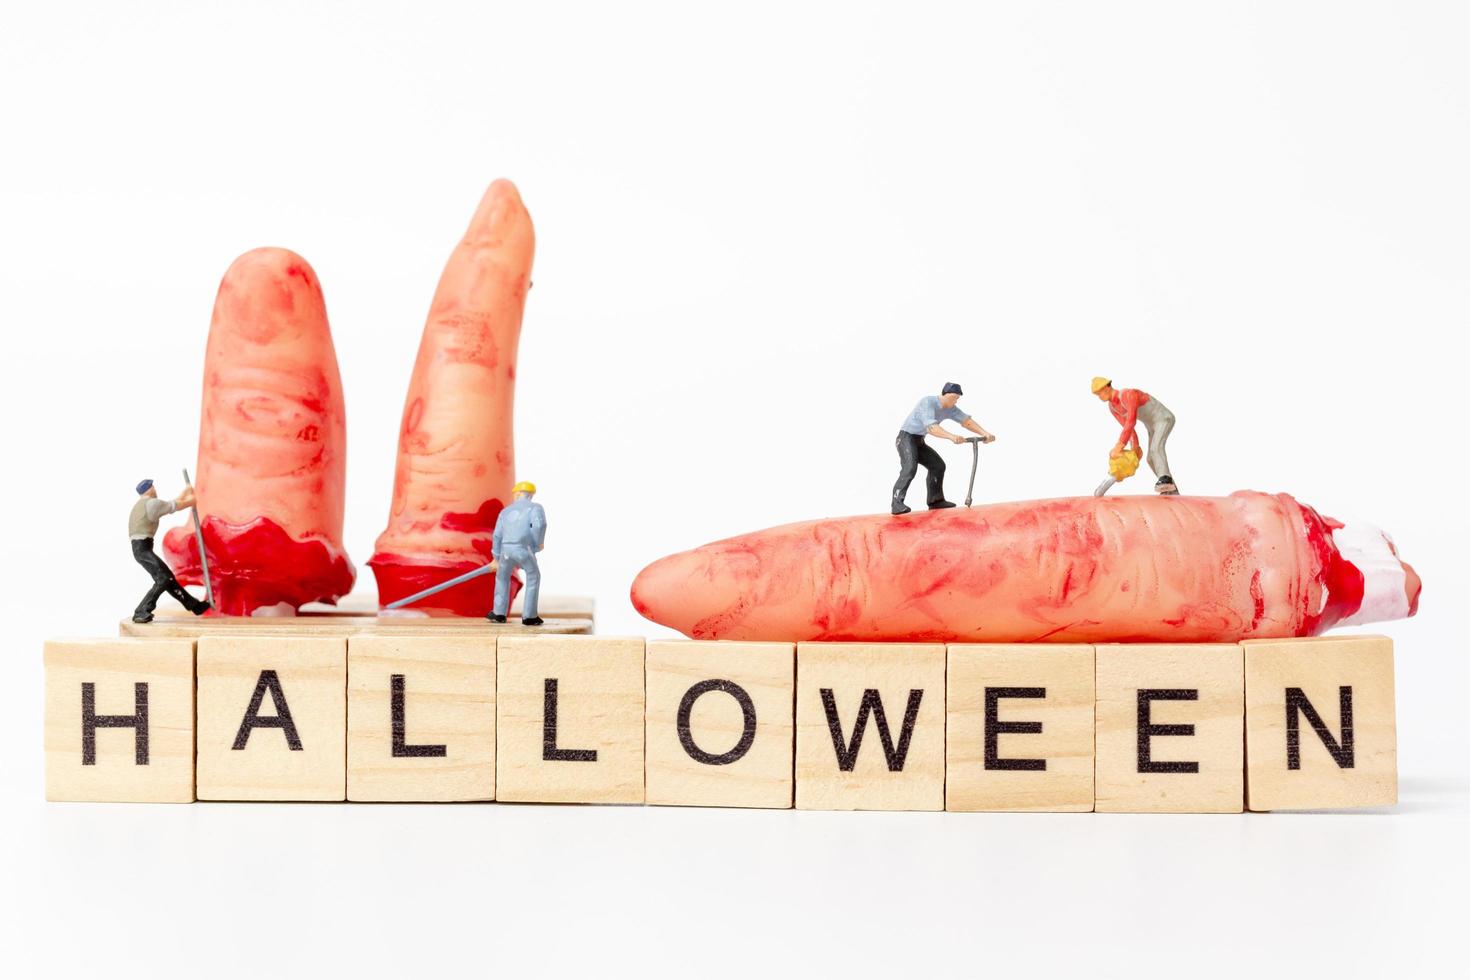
column 913, row 452
column 520, row 532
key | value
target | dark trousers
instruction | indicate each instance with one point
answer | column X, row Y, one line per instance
column 163, row 581
column 913, row 452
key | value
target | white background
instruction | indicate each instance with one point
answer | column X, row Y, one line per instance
column 764, row 232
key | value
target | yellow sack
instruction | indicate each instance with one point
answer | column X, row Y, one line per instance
column 1123, row 465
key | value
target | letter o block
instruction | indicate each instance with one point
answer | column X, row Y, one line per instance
column 719, row 723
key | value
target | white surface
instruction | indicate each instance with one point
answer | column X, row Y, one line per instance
column 765, row 230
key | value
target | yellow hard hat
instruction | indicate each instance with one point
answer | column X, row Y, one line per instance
column 523, row 487
column 1098, row 384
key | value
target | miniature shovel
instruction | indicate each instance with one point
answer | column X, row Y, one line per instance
column 199, row 537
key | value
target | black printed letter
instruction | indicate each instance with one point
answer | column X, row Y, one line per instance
column 747, row 710
column 549, row 751
column 137, row 721
column 994, row 728
column 401, row 748
column 872, row 704
column 282, row 719
column 1341, row 751
column 1147, row 729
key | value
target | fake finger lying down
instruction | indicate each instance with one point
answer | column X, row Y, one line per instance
column 1083, row 569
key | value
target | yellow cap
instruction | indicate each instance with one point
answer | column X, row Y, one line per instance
column 1098, row 384
column 523, row 487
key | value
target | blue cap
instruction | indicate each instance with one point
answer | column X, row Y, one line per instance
column 144, row 487
column 950, row 388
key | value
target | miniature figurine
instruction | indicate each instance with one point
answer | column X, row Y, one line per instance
column 914, row 452
column 142, row 527
column 456, row 451
column 1130, row 406
column 1073, row 570
column 520, row 532
column 272, row 458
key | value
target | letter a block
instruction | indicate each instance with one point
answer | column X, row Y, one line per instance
column 869, row 726
column 569, row 719
column 272, row 718
column 1170, row 728
column 719, row 727
column 420, row 718
column 1319, row 723
column 120, row 720
column 1020, row 728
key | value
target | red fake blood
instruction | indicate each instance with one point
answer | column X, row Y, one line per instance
column 399, row 576
column 1341, row 578
column 257, row 565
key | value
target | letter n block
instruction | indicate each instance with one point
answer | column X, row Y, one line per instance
column 720, row 726
column 569, row 719
column 1170, row 728
column 869, row 726
column 272, row 718
column 120, row 720
column 1020, row 727
column 1319, row 723
column 420, row 718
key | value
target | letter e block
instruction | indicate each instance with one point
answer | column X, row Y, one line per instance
column 1170, row 722
column 720, row 723
column 420, row 718
column 569, row 719
column 1020, row 727
column 869, row 726
column 1319, row 723
column 272, row 718
column 120, row 720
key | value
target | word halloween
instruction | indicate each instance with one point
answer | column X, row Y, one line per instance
column 1206, row 728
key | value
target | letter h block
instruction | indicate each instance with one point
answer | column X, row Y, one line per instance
column 869, row 726
column 569, row 719
column 1319, row 723
column 120, row 720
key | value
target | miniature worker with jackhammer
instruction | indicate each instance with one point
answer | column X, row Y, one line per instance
column 142, row 526
column 914, row 452
column 520, row 532
column 1131, row 406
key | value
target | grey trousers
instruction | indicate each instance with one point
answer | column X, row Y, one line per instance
column 517, row 556
column 1158, row 421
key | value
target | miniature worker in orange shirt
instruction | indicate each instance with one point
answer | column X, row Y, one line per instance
column 1131, row 406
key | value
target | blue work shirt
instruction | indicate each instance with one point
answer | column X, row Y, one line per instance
column 522, row 522
column 929, row 412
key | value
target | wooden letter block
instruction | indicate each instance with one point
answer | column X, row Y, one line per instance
column 869, row 726
column 120, row 720
column 1020, row 727
column 569, row 719
column 719, row 723
column 421, row 718
column 272, row 718
column 1170, row 722
column 1319, row 723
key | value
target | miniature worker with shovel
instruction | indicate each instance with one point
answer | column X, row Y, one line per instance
column 913, row 451
column 1131, row 406
column 520, row 532
column 142, row 526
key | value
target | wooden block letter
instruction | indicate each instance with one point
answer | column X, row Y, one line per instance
column 869, row 726
column 1319, row 723
column 719, row 723
column 272, row 718
column 421, row 718
column 1169, row 728
column 120, row 720
column 1020, row 728
column 569, row 719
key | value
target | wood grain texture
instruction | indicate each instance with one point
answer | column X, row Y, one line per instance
column 1032, row 684
column 161, row 768
column 1319, row 669
column 445, row 749
column 877, row 779
column 312, row 675
column 740, row 765
column 182, row 625
column 597, row 752
column 1215, row 672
